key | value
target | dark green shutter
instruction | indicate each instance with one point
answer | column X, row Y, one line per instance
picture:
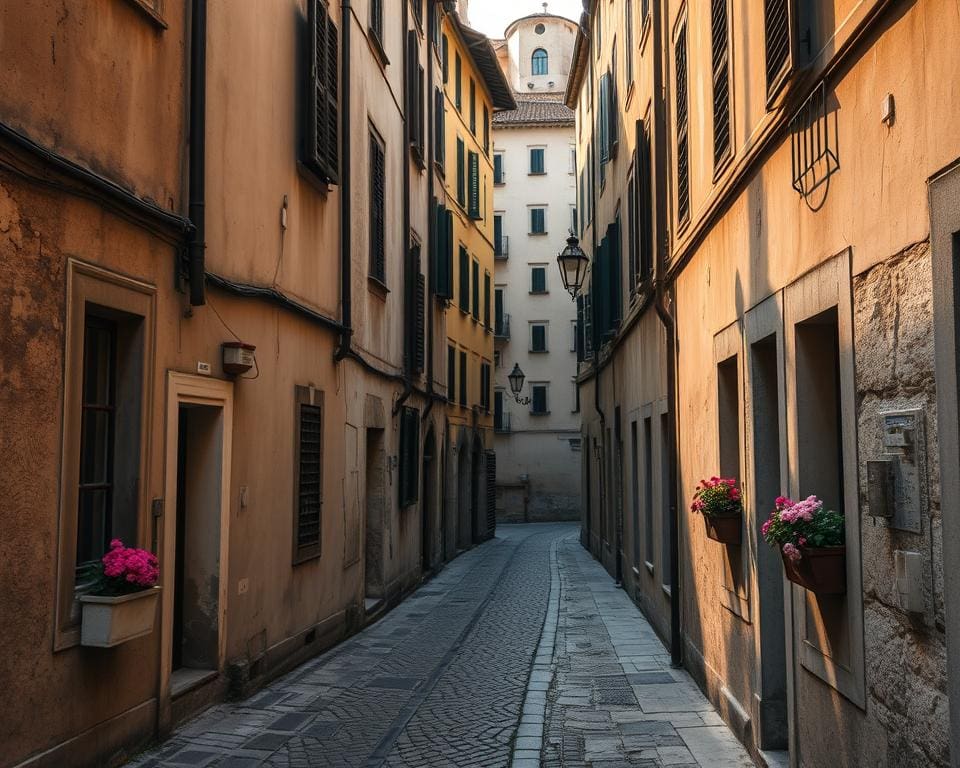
column 475, row 295
column 451, row 373
column 498, row 169
column 616, row 271
column 539, row 399
column 486, row 299
column 463, row 378
column 322, row 114
column 464, row 279
column 539, row 338
column 461, row 173
column 473, row 209
column 538, row 280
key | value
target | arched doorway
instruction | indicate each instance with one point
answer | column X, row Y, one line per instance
column 428, row 501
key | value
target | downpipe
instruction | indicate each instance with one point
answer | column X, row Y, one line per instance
column 346, row 287
column 196, row 241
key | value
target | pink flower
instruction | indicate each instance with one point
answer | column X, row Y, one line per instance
column 792, row 552
column 765, row 527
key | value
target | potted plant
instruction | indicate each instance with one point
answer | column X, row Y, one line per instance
column 811, row 543
column 718, row 501
column 121, row 604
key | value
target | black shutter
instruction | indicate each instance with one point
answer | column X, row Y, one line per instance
column 486, row 130
column 451, row 373
column 539, row 399
column 441, row 248
column 322, row 114
column 309, row 474
column 421, row 306
column 464, row 279
column 448, row 253
column 463, row 378
column 644, row 201
column 475, row 295
column 683, row 150
column 409, row 456
column 538, row 338
column 776, row 17
column 458, row 85
column 461, row 174
column 616, row 272
column 473, row 209
column 486, row 299
column 440, row 136
column 721, row 81
column 491, row 492
column 378, row 266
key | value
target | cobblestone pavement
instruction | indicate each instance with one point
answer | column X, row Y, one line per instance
column 614, row 700
column 519, row 644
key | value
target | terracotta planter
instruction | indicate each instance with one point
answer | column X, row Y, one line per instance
column 109, row 621
column 723, row 528
column 822, row 570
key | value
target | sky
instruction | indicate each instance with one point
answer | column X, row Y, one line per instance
column 492, row 16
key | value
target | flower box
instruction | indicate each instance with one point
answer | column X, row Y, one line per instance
column 822, row 570
column 724, row 528
column 112, row 620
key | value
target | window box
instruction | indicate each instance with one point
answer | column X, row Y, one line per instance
column 112, row 620
column 724, row 528
column 822, row 570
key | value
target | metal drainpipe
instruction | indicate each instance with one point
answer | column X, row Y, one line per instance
column 665, row 313
column 197, row 156
column 431, row 221
column 346, row 286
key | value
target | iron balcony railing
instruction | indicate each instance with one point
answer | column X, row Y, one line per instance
column 501, row 422
column 501, row 246
column 501, row 329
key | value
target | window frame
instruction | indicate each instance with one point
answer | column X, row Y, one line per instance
column 532, row 168
column 377, row 264
column 545, row 325
column 306, row 396
column 545, row 386
column 539, row 60
column 543, row 210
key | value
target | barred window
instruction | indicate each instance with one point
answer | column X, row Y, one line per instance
column 308, row 467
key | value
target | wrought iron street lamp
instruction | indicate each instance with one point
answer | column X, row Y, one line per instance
column 516, row 378
column 573, row 265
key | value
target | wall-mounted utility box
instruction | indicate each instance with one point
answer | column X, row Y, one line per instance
column 895, row 483
column 909, row 570
column 238, row 358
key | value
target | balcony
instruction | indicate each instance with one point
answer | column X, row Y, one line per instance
column 501, row 247
column 501, row 328
column 501, row 422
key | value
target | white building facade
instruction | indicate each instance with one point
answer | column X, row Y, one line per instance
column 538, row 439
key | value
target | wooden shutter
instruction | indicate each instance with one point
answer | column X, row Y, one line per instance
column 461, row 173
column 498, row 169
column 776, row 17
column 616, row 272
column 463, row 378
column 539, row 399
column 580, row 329
column 683, row 149
column 464, row 279
column 538, row 338
column 604, row 118
column 633, row 217
column 413, row 62
column 473, row 208
column 645, row 200
column 486, row 130
column 322, row 114
column 442, row 250
column 448, row 252
column 498, row 311
column 308, row 469
column 440, row 136
column 498, row 410
column 538, row 280
column 491, row 492
column 445, row 57
column 416, row 305
column 588, row 324
column 378, row 265
column 458, row 85
column 409, row 456
column 721, row 81
column 473, row 107
column 451, row 373
column 486, row 299
column 475, row 295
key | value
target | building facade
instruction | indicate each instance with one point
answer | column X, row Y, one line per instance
column 225, row 341
column 538, row 438
column 474, row 89
column 765, row 196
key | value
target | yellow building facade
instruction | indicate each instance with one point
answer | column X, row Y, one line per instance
column 474, row 88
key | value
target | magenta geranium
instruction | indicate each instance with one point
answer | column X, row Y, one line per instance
column 795, row 525
column 717, row 496
column 126, row 569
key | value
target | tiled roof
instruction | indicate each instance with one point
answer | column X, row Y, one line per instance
column 533, row 111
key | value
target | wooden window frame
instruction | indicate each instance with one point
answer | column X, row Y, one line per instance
column 378, row 251
column 306, row 396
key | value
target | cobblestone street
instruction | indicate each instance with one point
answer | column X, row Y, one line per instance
column 520, row 652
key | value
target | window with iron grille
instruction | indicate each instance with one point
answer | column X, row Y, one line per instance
column 537, row 161
column 461, row 173
column 719, row 37
column 409, row 459
column 376, row 18
column 538, row 280
column 540, row 62
column 473, row 107
column 464, row 280
column 378, row 260
column 321, row 150
column 308, row 468
column 683, row 148
column 538, row 221
column 451, row 373
column 475, row 294
column 463, row 379
column 538, row 406
column 538, row 337
column 473, row 190
column 458, row 81
column 776, row 25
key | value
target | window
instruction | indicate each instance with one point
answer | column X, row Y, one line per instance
column 500, row 422
column 539, row 62
column 537, row 161
column 573, row 220
column 308, row 469
column 473, row 107
column 415, row 95
column 463, row 379
column 445, row 58
column 721, row 82
column 461, row 173
column 538, row 280
column 376, row 19
column 628, row 41
column 572, row 167
column 573, row 335
column 538, row 221
column 498, row 175
column 486, row 299
column 776, row 18
column 464, row 280
column 538, row 337
column 683, row 160
column 538, row 405
column 416, row 301
column 378, row 262
column 496, row 358
column 473, row 188
column 576, row 396
column 485, row 386
column 475, row 285
column 500, row 319
column 440, row 131
column 499, row 241
column 409, row 456
column 539, row 29
column 458, row 81
column 644, row 194
column 441, row 247
column 665, row 554
column 451, row 373
column 648, row 544
column 322, row 135
column 635, row 495
column 486, row 130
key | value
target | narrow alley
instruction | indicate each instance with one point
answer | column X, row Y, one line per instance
column 522, row 652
